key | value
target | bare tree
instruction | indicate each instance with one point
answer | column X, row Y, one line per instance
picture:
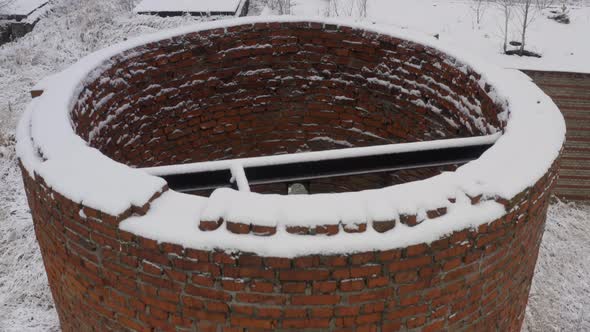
column 526, row 12
column 527, row 16
column 127, row 5
column 4, row 3
column 347, row 8
column 283, row 7
column 340, row 8
column 529, row 9
column 506, row 6
column 478, row 7
column 362, row 7
column 544, row 4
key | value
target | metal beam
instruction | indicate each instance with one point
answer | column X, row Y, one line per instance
column 322, row 168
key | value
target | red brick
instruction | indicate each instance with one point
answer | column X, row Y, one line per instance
column 410, row 263
column 276, row 262
column 261, row 286
column 203, row 280
column 261, row 298
column 223, row 258
column 253, row 323
column 233, row 285
column 304, row 275
column 315, row 299
column 416, row 322
column 351, row 285
column 269, row 312
column 324, row 286
column 389, row 255
column 365, row 271
column 416, row 250
column 306, row 323
column 336, row 261
column 405, row 277
column 370, row 296
column 306, row 262
column 208, row 293
column 295, row 313
column 322, row 312
column 294, row 287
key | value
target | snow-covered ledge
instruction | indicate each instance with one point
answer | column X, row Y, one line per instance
column 476, row 193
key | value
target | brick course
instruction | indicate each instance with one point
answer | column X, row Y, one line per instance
column 104, row 278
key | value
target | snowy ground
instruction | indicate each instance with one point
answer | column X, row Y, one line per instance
column 560, row 297
column 20, row 7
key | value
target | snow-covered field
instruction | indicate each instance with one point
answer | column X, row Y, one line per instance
column 20, row 7
column 560, row 297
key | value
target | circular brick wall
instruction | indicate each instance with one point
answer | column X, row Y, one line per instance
column 264, row 89
column 281, row 88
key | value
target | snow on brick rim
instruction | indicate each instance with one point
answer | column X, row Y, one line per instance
column 532, row 140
